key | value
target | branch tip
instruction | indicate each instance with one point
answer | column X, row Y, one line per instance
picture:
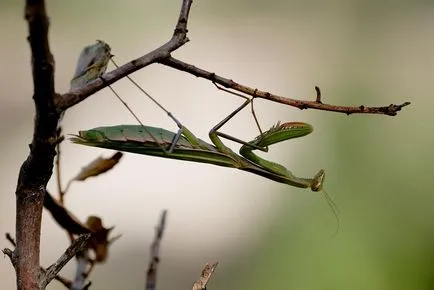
column 318, row 94
column 205, row 276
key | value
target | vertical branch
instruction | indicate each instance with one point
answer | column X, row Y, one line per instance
column 37, row 168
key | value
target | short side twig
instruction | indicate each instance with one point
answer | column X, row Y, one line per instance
column 77, row 245
column 390, row 110
column 151, row 275
column 205, row 276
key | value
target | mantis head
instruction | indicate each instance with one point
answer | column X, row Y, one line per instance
column 317, row 181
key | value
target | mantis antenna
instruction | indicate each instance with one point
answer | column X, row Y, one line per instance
column 333, row 208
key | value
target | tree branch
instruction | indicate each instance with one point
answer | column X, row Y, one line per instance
column 390, row 110
column 37, row 169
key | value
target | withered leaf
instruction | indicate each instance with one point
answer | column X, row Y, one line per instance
column 98, row 166
column 99, row 241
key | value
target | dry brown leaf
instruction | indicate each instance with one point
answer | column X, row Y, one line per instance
column 99, row 241
column 98, row 166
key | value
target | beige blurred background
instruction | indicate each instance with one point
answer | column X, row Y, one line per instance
column 265, row 234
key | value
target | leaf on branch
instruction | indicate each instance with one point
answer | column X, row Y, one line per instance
column 98, row 166
column 99, row 241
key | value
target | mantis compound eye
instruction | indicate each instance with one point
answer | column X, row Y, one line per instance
column 318, row 180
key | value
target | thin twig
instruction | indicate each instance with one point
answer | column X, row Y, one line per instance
column 11, row 239
column 318, row 94
column 390, row 110
column 151, row 276
column 78, row 245
column 205, row 276
column 60, row 191
column 65, row 282
column 8, row 252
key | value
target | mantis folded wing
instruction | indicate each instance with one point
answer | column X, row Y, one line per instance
column 137, row 139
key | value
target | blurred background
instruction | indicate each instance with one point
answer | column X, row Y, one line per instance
column 265, row 234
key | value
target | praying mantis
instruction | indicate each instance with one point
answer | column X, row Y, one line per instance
column 184, row 145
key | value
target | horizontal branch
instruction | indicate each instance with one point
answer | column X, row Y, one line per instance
column 390, row 110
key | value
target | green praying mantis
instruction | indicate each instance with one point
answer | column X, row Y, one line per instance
column 135, row 139
column 184, row 145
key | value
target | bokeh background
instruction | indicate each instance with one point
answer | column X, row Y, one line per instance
column 265, row 234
